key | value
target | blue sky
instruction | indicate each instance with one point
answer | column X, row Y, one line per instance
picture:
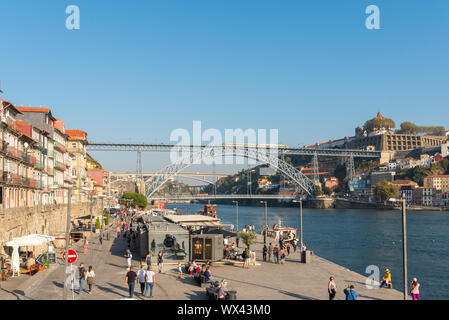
column 136, row 70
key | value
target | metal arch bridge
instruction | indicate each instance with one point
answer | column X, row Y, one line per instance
column 246, row 151
column 161, row 147
column 225, row 196
column 298, row 178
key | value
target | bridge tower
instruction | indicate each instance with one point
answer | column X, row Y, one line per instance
column 316, row 169
column 350, row 167
column 139, row 173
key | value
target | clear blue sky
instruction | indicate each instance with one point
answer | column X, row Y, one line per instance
column 136, row 70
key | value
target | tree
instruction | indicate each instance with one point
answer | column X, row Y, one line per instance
column 340, row 172
column 317, row 191
column 248, row 238
column 384, row 190
column 408, row 128
column 97, row 223
column 106, row 219
column 379, row 123
column 134, row 200
column 327, row 191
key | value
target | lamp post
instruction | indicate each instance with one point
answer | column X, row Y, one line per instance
column 300, row 221
column 237, row 214
column 404, row 245
column 67, row 233
column 266, row 223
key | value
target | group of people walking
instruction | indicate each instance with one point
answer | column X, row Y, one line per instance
column 351, row 294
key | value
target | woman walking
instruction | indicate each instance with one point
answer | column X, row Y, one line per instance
column 160, row 261
column 90, row 275
column 148, row 259
column 414, row 291
column 332, row 288
column 85, row 245
column 282, row 254
column 276, row 255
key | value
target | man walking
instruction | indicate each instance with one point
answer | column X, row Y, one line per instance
column 141, row 276
column 150, row 279
column 131, row 278
column 129, row 258
column 82, row 276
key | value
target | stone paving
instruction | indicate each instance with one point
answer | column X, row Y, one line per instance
column 292, row 280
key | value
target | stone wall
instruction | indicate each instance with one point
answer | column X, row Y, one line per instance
column 50, row 220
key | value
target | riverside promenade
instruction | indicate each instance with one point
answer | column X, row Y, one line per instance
column 265, row 281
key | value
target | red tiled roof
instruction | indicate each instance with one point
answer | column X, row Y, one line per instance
column 33, row 109
column 75, row 134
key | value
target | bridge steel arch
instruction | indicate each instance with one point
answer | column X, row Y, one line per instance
column 261, row 155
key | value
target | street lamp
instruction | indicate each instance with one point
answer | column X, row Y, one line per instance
column 237, row 213
column 300, row 221
column 404, row 245
column 67, row 234
column 266, row 223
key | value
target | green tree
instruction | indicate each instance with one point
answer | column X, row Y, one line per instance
column 134, row 200
column 248, row 238
column 317, row 191
column 384, row 190
column 106, row 219
column 340, row 172
column 97, row 223
column 327, row 191
column 409, row 128
column 379, row 123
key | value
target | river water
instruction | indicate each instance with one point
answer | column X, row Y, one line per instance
column 357, row 238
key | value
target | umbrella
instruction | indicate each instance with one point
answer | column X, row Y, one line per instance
column 30, row 240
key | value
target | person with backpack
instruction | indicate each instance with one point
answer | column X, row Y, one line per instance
column 350, row 293
column 264, row 253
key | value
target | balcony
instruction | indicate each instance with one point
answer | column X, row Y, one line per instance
column 14, row 178
column 60, row 166
column 11, row 151
column 60, row 146
column 39, row 165
column 51, row 154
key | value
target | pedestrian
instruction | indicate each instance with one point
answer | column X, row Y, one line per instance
column 288, row 248
column 179, row 270
column 118, row 231
column 101, row 237
column 282, row 255
column 270, row 252
column 85, row 245
column 350, row 293
column 294, row 244
column 276, row 255
column 150, row 279
column 160, row 260
column 237, row 241
column 332, row 288
column 414, row 291
column 141, row 277
column 131, row 278
column 386, row 279
column 264, row 252
column 82, row 276
column 90, row 278
column 304, row 247
column 148, row 259
column 129, row 257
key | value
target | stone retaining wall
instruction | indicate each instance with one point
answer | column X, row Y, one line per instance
column 51, row 219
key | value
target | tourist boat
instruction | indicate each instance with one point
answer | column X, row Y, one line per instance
column 278, row 232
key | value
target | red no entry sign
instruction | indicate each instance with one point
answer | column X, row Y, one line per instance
column 72, row 256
